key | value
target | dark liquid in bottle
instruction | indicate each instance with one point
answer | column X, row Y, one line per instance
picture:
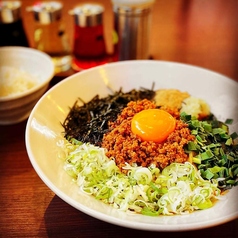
column 13, row 34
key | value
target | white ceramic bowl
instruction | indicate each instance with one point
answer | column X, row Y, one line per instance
column 44, row 130
column 17, row 107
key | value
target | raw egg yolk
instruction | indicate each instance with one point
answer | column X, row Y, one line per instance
column 153, row 125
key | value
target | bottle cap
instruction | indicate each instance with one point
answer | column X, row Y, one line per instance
column 46, row 12
column 132, row 6
column 133, row 3
column 10, row 11
column 88, row 14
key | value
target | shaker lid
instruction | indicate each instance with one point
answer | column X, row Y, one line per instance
column 10, row 11
column 132, row 6
column 134, row 3
column 88, row 14
column 46, row 12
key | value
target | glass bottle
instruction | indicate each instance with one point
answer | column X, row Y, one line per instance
column 50, row 35
column 11, row 25
column 89, row 48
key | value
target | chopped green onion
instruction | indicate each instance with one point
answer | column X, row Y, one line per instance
column 206, row 155
column 229, row 121
column 177, row 189
column 214, row 148
column 234, row 135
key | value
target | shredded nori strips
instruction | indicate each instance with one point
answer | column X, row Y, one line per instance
column 89, row 122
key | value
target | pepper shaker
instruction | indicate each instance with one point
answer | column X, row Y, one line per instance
column 132, row 28
column 11, row 25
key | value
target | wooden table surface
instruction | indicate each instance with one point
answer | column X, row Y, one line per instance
column 198, row 32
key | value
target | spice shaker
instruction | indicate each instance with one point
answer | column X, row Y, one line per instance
column 89, row 48
column 50, row 35
column 132, row 28
column 11, row 25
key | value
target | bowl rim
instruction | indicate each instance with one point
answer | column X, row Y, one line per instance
column 37, row 86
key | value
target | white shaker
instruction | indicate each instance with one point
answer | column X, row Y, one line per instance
column 132, row 28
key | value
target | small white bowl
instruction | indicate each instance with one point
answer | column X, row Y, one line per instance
column 16, row 107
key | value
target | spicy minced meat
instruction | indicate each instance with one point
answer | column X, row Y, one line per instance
column 126, row 147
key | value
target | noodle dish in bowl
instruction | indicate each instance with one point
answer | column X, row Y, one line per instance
column 141, row 144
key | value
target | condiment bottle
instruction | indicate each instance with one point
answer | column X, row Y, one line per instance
column 89, row 48
column 132, row 28
column 50, row 35
column 11, row 25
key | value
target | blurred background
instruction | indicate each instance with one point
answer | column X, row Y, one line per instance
column 197, row 32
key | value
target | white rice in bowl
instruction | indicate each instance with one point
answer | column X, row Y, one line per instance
column 14, row 81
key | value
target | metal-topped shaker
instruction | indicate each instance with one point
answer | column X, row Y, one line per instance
column 89, row 47
column 132, row 28
column 88, row 14
column 11, row 26
column 50, row 35
column 46, row 12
